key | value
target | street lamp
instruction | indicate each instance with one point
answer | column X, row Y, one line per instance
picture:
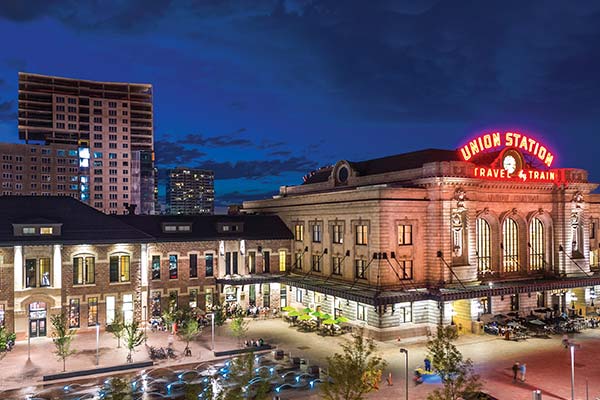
column 29, row 337
column 97, row 344
column 405, row 351
column 212, row 326
column 145, row 324
column 572, row 347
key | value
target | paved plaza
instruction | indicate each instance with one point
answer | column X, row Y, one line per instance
column 548, row 363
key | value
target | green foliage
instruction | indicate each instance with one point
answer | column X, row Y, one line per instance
column 355, row 372
column 241, row 372
column 5, row 337
column 458, row 377
column 62, row 337
column 239, row 328
column 117, row 327
column 188, row 331
column 118, row 389
column 219, row 315
column 133, row 337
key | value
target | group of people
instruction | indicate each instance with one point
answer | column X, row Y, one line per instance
column 254, row 343
column 519, row 371
column 255, row 312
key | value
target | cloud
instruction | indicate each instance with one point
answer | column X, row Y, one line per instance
column 257, row 168
column 7, row 113
column 169, row 153
column 216, row 141
column 282, row 153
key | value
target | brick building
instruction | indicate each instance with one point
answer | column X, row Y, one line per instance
column 57, row 253
column 402, row 243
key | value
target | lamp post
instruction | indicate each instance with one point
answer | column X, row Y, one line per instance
column 97, row 344
column 145, row 324
column 405, row 351
column 29, row 337
column 212, row 330
column 572, row 347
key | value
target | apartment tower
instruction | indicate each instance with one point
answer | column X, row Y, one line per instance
column 110, row 124
column 191, row 191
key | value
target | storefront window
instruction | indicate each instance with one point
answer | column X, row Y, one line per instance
column 282, row 296
column 156, row 308
column 536, row 245
column 30, row 273
column 74, row 316
column 193, row 300
column 37, row 272
column 128, row 308
column 208, row 298
column 267, row 262
column 155, row 267
column 404, row 313
column 282, row 260
column 110, row 309
column 483, row 246
column 510, row 244
column 266, row 291
column 361, row 312
column 360, row 269
column 173, row 300
column 92, row 311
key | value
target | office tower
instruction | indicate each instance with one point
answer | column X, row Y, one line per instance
column 112, row 126
column 191, row 191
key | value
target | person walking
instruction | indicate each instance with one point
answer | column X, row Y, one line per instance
column 523, row 369
column 515, row 369
column 427, row 363
column 389, row 380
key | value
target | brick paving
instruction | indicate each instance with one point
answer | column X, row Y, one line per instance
column 548, row 363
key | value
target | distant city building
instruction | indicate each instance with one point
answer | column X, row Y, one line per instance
column 29, row 169
column 110, row 124
column 191, row 191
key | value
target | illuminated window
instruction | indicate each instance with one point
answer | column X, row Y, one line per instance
column 362, row 234
column 282, row 259
column 299, row 232
column 128, row 308
column 336, row 265
column 338, row 234
column 483, row 246
column 537, row 242
column 46, row 230
column 74, row 313
column 92, row 311
column 37, row 272
column 252, row 262
column 28, row 231
column 510, row 244
column 208, row 264
column 405, row 235
column 119, row 269
column 110, row 309
column 361, row 312
column 316, row 233
column 84, row 270
column 594, row 259
column 360, row 269
column 172, row 266
column 407, row 269
column 193, row 265
column 316, row 263
column 299, row 260
column 155, row 267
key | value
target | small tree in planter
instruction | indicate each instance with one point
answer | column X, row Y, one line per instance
column 62, row 337
column 6, row 340
column 133, row 337
column 239, row 327
column 188, row 331
column 117, row 327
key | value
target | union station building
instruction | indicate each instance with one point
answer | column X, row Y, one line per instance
column 402, row 243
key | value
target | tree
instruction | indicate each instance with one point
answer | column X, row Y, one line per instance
column 117, row 327
column 117, row 389
column 5, row 341
column 188, row 331
column 219, row 315
column 458, row 377
column 133, row 337
column 355, row 372
column 62, row 337
column 239, row 327
column 241, row 372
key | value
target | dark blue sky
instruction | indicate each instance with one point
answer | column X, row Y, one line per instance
column 263, row 91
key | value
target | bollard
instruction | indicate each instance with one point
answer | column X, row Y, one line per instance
column 537, row 394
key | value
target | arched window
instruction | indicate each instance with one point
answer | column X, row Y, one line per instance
column 483, row 246
column 510, row 246
column 537, row 241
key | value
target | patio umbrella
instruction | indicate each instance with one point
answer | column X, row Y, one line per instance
column 326, row 316
column 329, row 321
column 317, row 314
column 341, row 319
column 307, row 310
column 288, row 309
column 294, row 313
column 305, row 317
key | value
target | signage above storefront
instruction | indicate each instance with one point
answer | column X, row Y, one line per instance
column 510, row 163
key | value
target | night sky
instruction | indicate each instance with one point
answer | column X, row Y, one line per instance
column 263, row 91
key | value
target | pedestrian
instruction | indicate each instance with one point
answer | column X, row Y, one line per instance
column 565, row 340
column 523, row 369
column 170, row 340
column 427, row 363
column 389, row 379
column 515, row 369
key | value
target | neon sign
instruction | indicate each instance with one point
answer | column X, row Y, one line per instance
column 491, row 141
